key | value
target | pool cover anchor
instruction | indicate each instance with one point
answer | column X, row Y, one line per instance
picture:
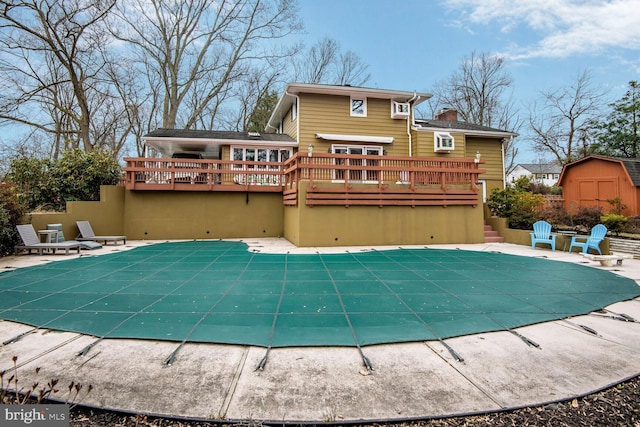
column 623, row 317
column 526, row 340
column 19, row 337
column 453, row 353
column 263, row 362
column 365, row 361
column 583, row 327
column 172, row 357
column 88, row 348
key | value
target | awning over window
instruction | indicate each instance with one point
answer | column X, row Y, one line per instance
column 355, row 138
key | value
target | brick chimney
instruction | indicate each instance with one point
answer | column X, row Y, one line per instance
column 447, row 114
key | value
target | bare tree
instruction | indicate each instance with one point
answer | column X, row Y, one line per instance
column 351, row 70
column 562, row 121
column 315, row 64
column 324, row 62
column 50, row 64
column 193, row 51
column 480, row 91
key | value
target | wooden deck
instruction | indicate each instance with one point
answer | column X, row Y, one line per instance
column 333, row 179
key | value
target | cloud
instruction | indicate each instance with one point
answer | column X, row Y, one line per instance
column 560, row 28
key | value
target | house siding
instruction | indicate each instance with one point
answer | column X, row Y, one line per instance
column 424, row 145
column 330, row 114
column 491, row 156
column 290, row 127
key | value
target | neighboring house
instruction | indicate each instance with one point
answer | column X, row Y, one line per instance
column 539, row 173
column 593, row 180
column 338, row 165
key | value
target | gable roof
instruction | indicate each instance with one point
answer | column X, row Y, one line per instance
column 541, row 167
column 208, row 142
column 294, row 89
column 630, row 166
column 458, row 126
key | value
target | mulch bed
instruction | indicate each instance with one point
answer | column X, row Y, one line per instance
column 616, row 406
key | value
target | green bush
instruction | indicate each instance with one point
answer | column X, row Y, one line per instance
column 614, row 222
column 45, row 184
column 520, row 208
column 11, row 213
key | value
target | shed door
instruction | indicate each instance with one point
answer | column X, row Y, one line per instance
column 596, row 192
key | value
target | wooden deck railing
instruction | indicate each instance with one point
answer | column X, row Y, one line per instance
column 340, row 179
column 333, row 179
column 203, row 175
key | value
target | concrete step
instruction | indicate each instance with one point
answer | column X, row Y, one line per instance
column 491, row 236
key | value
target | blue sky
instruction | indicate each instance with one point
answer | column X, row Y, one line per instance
column 411, row 44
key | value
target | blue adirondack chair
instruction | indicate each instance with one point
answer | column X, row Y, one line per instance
column 592, row 241
column 542, row 234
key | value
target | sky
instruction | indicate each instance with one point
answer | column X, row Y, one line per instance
column 411, row 44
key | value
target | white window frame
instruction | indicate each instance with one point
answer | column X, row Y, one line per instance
column 267, row 154
column 482, row 187
column 397, row 110
column 370, row 150
column 294, row 110
column 283, row 153
column 362, row 112
column 440, row 141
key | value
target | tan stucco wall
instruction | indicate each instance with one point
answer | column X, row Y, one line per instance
column 389, row 225
column 194, row 215
column 106, row 215
column 202, row 215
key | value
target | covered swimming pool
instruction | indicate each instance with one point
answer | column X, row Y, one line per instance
column 221, row 292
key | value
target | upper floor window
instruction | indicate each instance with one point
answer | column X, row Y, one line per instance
column 443, row 141
column 294, row 110
column 359, row 107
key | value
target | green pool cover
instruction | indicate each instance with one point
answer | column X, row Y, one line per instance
column 219, row 292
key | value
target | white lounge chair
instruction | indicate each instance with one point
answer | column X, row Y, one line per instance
column 86, row 233
column 31, row 241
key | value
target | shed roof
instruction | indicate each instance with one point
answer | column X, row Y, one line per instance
column 630, row 166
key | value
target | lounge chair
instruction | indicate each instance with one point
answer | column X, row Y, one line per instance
column 597, row 235
column 31, row 241
column 86, row 233
column 542, row 234
column 85, row 245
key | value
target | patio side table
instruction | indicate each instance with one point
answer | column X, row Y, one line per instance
column 50, row 236
column 565, row 238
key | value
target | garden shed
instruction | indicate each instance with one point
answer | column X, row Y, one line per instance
column 593, row 180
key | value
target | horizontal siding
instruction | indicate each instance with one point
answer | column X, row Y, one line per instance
column 331, row 114
column 491, row 151
column 423, row 145
column 290, row 127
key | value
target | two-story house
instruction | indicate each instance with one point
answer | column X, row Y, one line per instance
column 336, row 165
column 539, row 173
